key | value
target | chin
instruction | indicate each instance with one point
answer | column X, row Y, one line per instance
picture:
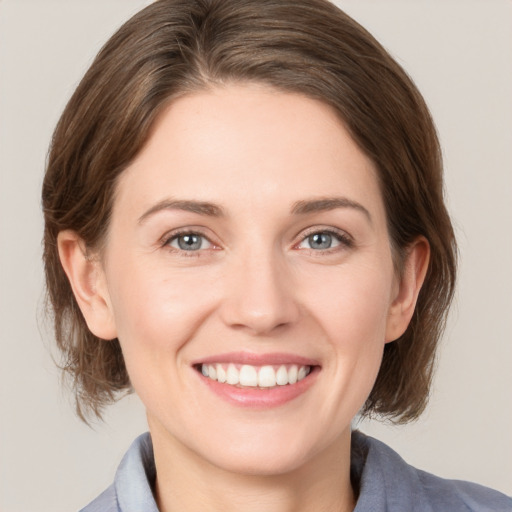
column 262, row 455
column 255, row 462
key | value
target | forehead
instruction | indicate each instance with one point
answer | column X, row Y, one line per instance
column 248, row 144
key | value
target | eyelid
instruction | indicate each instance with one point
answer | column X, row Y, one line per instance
column 344, row 238
column 168, row 237
column 173, row 241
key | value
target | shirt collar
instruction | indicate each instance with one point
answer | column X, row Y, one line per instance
column 385, row 481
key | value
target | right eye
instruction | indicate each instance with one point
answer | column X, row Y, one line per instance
column 189, row 242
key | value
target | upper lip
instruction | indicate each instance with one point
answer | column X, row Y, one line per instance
column 276, row 358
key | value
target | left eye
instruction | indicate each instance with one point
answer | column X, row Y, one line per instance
column 320, row 241
column 190, row 242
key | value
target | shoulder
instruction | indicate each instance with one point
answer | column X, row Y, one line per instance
column 133, row 483
column 105, row 502
column 387, row 482
column 467, row 496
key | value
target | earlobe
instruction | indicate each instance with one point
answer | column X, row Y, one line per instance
column 87, row 281
column 412, row 277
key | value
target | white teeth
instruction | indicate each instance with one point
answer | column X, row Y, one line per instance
column 292, row 374
column 232, row 376
column 281, row 376
column 248, row 376
column 221, row 373
column 253, row 376
column 267, row 377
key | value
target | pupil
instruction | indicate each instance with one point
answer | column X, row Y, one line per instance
column 189, row 242
column 320, row 241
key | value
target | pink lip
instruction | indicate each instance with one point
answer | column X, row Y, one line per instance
column 257, row 398
column 257, row 359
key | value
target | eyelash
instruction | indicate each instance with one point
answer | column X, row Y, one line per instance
column 345, row 241
column 170, row 237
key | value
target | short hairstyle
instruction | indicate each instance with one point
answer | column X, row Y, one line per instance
column 175, row 47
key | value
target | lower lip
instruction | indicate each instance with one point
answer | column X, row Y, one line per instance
column 258, row 397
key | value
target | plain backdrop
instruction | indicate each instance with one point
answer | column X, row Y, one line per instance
column 460, row 55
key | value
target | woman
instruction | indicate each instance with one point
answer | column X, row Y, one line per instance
column 245, row 224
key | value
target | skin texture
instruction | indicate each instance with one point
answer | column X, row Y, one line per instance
column 256, row 285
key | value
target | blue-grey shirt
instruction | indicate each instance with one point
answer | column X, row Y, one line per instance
column 385, row 481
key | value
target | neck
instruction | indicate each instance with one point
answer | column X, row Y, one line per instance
column 186, row 482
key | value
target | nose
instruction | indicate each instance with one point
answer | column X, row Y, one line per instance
column 259, row 295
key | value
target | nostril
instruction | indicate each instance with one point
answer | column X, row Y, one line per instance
column 259, row 316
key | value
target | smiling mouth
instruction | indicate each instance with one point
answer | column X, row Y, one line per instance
column 256, row 377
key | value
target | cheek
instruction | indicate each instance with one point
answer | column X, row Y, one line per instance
column 155, row 317
column 353, row 314
column 356, row 321
column 353, row 307
column 157, row 311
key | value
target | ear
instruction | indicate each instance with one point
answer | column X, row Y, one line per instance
column 411, row 280
column 87, row 279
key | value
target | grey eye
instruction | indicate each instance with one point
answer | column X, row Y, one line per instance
column 320, row 241
column 189, row 242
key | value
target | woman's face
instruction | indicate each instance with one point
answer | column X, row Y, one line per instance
column 248, row 241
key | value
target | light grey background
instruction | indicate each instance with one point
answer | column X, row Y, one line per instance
column 460, row 55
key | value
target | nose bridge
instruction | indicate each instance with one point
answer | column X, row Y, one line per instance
column 259, row 296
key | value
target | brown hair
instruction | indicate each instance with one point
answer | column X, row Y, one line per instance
column 309, row 46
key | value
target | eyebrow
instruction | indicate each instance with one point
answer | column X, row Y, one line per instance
column 213, row 210
column 199, row 207
column 328, row 203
